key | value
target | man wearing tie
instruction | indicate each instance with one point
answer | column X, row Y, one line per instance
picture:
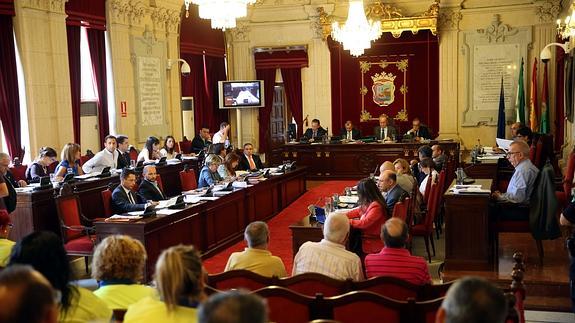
column 384, row 131
column 248, row 160
column 316, row 132
column 418, row 131
column 123, row 198
column 149, row 189
column 123, row 151
column 349, row 133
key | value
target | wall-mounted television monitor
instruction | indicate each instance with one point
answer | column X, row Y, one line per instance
column 241, row 94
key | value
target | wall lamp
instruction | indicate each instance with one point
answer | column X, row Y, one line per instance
column 185, row 70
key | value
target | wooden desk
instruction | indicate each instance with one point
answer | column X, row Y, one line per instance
column 214, row 225
column 467, row 243
column 306, row 229
column 352, row 161
column 37, row 211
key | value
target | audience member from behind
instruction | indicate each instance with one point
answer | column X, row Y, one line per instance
column 394, row 260
column 151, row 150
column 233, row 307
column 69, row 159
column 149, row 189
column 107, row 157
column 202, row 140
column 349, row 132
column 180, row 281
column 169, row 149
column 209, row 173
column 227, row 170
column 256, row 256
column 428, row 168
column 394, row 192
column 26, row 296
column 438, row 156
column 404, row 177
column 45, row 252
column 368, row 217
column 473, row 300
column 118, row 266
column 5, row 244
column 329, row 257
column 39, row 167
column 524, row 134
column 124, row 158
column 124, row 199
column 249, row 161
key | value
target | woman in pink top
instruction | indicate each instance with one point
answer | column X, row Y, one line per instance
column 371, row 213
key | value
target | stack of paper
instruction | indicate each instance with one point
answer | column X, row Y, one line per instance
column 167, row 203
column 348, row 199
column 469, row 189
column 124, row 217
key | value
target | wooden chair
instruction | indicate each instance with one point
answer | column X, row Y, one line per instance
column 391, row 287
column 186, row 147
column 365, row 306
column 312, row 283
column 239, row 279
column 19, row 172
column 400, row 209
column 188, row 180
column 107, row 202
column 133, row 153
column 564, row 196
column 287, row 306
column 422, row 311
column 425, row 229
column 52, row 167
column 78, row 234
column 160, row 183
column 433, row 291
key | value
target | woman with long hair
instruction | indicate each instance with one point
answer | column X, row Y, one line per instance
column 369, row 216
column 227, row 170
column 151, row 150
column 70, row 159
column 45, row 252
column 180, row 281
column 39, row 168
column 169, row 149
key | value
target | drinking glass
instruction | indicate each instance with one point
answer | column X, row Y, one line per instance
column 133, row 163
column 328, row 205
column 348, row 191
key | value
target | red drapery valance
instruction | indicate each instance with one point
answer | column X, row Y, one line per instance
column 281, row 59
column 7, row 7
column 90, row 14
column 197, row 36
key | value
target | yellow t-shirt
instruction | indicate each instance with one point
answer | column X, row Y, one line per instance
column 153, row 310
column 5, row 250
column 121, row 296
column 86, row 308
column 257, row 260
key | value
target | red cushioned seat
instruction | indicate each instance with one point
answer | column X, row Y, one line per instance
column 82, row 245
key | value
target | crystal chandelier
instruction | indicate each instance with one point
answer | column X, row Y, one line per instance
column 357, row 33
column 222, row 13
column 566, row 29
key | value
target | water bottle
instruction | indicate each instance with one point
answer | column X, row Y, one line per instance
column 459, row 176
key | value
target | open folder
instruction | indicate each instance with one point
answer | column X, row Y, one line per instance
column 503, row 143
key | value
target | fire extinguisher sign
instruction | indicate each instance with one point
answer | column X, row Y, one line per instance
column 123, row 109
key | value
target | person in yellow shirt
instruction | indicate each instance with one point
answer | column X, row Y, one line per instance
column 256, row 256
column 118, row 266
column 5, row 244
column 45, row 252
column 180, row 281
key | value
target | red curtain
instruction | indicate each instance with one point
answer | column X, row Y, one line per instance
column 73, row 34
column 9, row 100
column 293, row 89
column 268, row 75
column 97, row 43
column 7, row 7
column 90, row 14
column 202, row 84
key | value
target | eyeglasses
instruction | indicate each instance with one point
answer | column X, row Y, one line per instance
column 509, row 154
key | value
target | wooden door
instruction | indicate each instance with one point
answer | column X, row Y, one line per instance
column 278, row 119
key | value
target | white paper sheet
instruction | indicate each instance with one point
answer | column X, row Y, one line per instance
column 503, row 143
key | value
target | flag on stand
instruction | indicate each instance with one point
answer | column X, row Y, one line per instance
column 533, row 108
column 520, row 101
column 544, row 126
column 501, row 115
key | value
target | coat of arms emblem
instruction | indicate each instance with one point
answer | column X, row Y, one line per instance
column 383, row 89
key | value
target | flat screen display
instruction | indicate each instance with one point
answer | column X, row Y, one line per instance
column 240, row 94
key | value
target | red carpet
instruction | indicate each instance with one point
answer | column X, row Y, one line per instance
column 280, row 235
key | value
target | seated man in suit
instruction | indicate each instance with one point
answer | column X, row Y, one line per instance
column 349, row 132
column 202, row 140
column 123, row 151
column 249, row 161
column 394, row 192
column 418, row 131
column 108, row 157
column 384, row 131
column 521, row 183
column 438, row 156
column 316, row 132
column 123, row 198
column 149, row 189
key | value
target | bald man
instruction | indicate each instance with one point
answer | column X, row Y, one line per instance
column 149, row 188
column 394, row 260
column 393, row 192
column 384, row 131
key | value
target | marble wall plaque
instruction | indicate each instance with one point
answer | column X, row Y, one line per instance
column 150, row 89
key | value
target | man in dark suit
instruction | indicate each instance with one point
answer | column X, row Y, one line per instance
column 419, row 131
column 394, row 193
column 149, row 189
column 202, row 140
column 316, row 132
column 349, row 132
column 249, row 161
column 123, row 151
column 123, row 198
column 384, row 131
